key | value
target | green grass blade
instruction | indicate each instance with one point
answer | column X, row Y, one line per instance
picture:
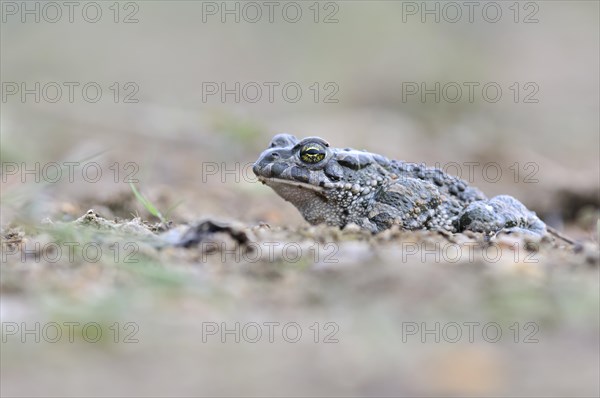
column 146, row 203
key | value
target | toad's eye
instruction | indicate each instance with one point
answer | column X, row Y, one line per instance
column 312, row 153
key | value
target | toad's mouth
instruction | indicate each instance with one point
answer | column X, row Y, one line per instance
column 277, row 182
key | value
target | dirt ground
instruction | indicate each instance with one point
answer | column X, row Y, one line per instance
column 402, row 311
column 233, row 293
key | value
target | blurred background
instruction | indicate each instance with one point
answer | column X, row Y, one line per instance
column 164, row 117
column 371, row 60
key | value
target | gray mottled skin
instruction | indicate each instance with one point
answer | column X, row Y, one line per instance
column 350, row 186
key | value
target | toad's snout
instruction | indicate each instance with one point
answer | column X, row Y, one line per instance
column 270, row 163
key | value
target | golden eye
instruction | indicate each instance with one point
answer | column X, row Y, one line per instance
column 312, row 153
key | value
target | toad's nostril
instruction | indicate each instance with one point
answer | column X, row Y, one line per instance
column 273, row 156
